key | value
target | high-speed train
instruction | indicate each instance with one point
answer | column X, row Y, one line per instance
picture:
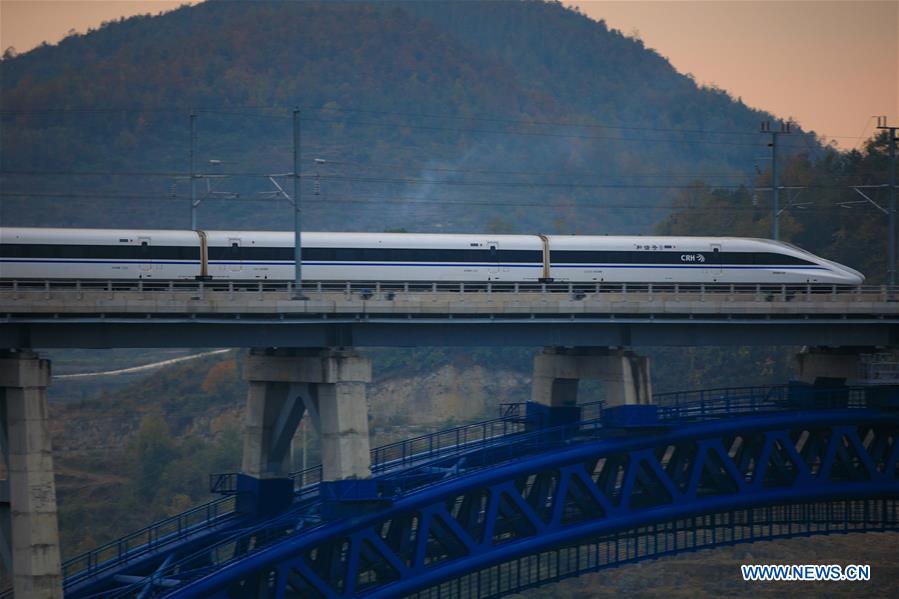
column 44, row 253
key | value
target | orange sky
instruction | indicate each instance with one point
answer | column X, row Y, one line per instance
column 24, row 24
column 828, row 64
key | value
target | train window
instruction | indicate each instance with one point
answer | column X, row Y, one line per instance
column 343, row 255
column 113, row 252
column 328, row 254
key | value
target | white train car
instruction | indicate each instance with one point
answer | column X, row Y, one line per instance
column 27, row 253
column 376, row 256
column 619, row 259
column 41, row 253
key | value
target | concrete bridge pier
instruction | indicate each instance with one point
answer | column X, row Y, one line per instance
column 837, row 366
column 826, row 365
column 29, row 530
column 624, row 374
column 326, row 384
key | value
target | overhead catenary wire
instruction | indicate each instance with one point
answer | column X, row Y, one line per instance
column 378, row 202
column 630, row 181
column 285, row 113
column 700, row 186
column 536, row 133
column 526, row 184
column 219, row 174
column 862, row 134
column 570, row 124
column 548, row 134
column 324, row 163
column 426, row 168
column 257, row 112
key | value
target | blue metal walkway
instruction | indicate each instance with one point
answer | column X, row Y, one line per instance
column 535, row 496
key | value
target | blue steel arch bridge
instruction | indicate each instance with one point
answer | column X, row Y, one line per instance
column 534, row 496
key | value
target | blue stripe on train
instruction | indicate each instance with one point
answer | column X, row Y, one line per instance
column 480, row 264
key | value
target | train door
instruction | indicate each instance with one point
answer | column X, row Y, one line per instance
column 716, row 267
column 146, row 263
column 494, row 268
column 234, row 258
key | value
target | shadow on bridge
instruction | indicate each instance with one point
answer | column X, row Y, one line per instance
column 533, row 497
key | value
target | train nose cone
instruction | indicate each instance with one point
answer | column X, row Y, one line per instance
column 855, row 277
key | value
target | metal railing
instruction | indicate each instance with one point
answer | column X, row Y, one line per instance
column 402, row 453
column 676, row 398
column 223, row 550
column 672, row 407
column 224, row 483
column 418, row 452
column 683, row 407
column 740, row 400
column 494, row 434
column 425, row 447
column 148, row 539
column 390, row 290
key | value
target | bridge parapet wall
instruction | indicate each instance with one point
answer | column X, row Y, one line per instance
column 269, row 297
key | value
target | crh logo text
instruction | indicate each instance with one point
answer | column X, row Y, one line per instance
column 692, row 258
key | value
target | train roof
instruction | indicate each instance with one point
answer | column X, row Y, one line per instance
column 324, row 236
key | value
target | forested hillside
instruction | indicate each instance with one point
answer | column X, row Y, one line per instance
column 427, row 116
column 513, row 116
column 822, row 212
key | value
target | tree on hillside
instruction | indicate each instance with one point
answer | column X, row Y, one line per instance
column 149, row 454
column 828, row 217
column 393, row 88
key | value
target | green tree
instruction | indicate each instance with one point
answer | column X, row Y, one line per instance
column 149, row 454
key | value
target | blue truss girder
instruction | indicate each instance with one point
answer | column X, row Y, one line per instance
column 662, row 539
column 557, row 498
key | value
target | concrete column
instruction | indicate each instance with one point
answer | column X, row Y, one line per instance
column 624, row 374
column 35, row 533
column 343, row 427
column 626, row 378
column 555, row 379
column 829, row 366
column 265, row 402
column 330, row 385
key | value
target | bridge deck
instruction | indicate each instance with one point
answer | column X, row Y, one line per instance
column 268, row 297
column 226, row 314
